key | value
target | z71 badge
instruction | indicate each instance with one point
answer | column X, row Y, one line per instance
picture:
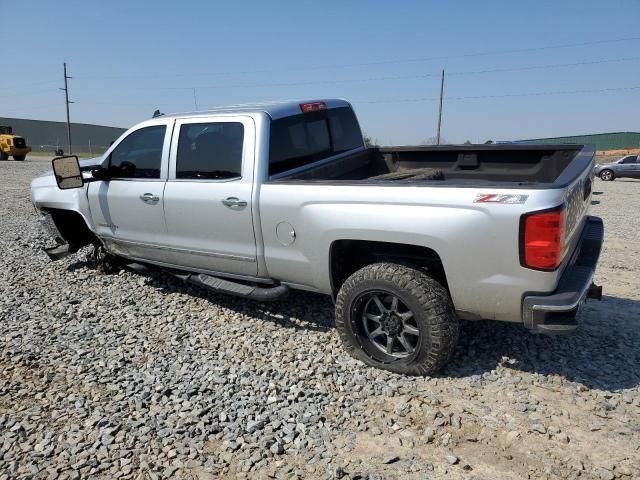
column 500, row 198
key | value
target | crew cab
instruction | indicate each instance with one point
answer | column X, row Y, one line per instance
column 257, row 200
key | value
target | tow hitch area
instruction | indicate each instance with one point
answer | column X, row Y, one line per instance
column 595, row 292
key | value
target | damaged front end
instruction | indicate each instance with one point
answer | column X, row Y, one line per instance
column 69, row 231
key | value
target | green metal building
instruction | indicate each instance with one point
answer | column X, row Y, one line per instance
column 602, row 141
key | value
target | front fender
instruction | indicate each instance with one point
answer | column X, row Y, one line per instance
column 45, row 194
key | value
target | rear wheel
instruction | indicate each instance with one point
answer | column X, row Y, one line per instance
column 397, row 318
column 3, row 156
column 607, row 175
column 19, row 158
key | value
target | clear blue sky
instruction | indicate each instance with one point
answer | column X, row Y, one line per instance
column 129, row 58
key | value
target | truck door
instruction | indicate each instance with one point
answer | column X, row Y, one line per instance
column 127, row 209
column 208, row 195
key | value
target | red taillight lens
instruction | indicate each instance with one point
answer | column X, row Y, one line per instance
column 313, row 106
column 543, row 239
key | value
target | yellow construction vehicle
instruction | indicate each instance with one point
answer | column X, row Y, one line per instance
column 12, row 145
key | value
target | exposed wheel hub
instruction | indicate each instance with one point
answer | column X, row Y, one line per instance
column 391, row 324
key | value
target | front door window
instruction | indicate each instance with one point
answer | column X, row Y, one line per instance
column 139, row 155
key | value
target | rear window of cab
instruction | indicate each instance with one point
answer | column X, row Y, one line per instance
column 306, row 138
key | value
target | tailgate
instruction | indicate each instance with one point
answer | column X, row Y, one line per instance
column 577, row 199
column 548, row 237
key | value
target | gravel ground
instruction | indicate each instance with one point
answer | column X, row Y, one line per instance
column 137, row 376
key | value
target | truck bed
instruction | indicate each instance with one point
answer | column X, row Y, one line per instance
column 505, row 165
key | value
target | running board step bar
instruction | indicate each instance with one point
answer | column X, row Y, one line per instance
column 61, row 251
column 58, row 252
column 219, row 285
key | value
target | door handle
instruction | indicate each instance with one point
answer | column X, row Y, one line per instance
column 234, row 202
column 149, row 198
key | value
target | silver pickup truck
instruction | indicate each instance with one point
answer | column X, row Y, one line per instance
column 256, row 200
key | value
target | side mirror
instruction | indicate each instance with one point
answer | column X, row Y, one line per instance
column 67, row 172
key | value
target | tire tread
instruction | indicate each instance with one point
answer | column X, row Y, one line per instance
column 443, row 323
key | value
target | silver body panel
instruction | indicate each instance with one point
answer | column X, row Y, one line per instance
column 189, row 227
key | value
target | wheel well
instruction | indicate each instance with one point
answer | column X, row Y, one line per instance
column 348, row 256
column 72, row 228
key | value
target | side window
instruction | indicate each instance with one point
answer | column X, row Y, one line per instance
column 210, row 151
column 629, row 159
column 139, row 155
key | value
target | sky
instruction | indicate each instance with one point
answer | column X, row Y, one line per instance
column 513, row 70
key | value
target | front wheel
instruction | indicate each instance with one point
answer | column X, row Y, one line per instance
column 607, row 175
column 3, row 156
column 397, row 318
column 19, row 158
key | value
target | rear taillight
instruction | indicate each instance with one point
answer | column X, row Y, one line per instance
column 542, row 242
column 313, row 106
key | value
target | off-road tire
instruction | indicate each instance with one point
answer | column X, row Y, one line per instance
column 19, row 158
column 604, row 175
column 433, row 310
column 3, row 156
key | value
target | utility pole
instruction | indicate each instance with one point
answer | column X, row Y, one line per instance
column 195, row 99
column 440, row 110
column 67, row 102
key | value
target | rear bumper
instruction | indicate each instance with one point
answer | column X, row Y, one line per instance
column 557, row 312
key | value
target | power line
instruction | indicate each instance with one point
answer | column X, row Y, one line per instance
column 147, row 104
column 542, row 67
column 426, row 75
column 557, row 92
column 384, row 78
column 506, row 95
column 30, row 84
column 369, row 79
column 414, row 99
column 32, row 107
column 397, row 100
column 390, row 100
column 381, row 62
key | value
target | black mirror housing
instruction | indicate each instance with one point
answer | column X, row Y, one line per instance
column 67, row 172
column 100, row 173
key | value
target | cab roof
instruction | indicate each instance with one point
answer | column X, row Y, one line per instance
column 275, row 110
